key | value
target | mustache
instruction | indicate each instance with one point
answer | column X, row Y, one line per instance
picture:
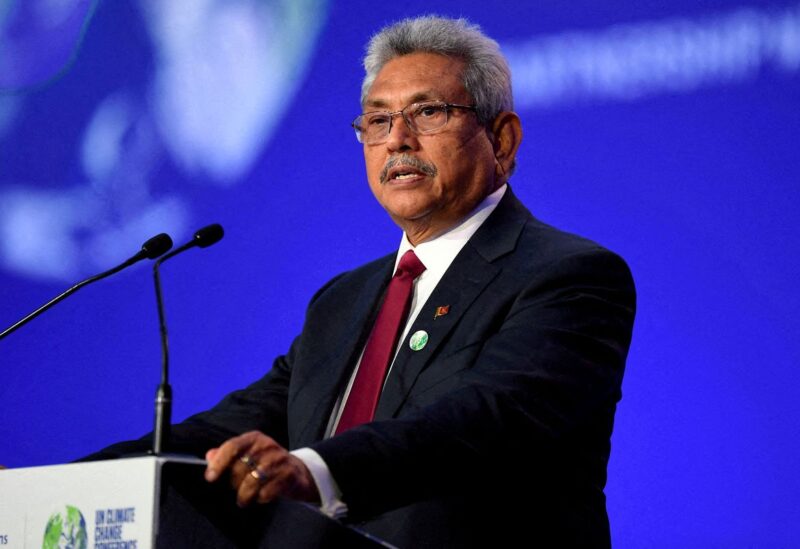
column 410, row 161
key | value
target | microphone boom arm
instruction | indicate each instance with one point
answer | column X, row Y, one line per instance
column 150, row 249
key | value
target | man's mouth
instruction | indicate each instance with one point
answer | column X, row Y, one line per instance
column 404, row 167
column 402, row 174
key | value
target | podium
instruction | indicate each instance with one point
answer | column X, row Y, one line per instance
column 153, row 502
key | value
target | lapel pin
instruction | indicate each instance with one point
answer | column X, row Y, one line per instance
column 441, row 311
column 418, row 340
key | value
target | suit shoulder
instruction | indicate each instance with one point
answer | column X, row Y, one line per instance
column 531, row 252
column 351, row 281
column 551, row 243
column 549, row 239
column 520, row 240
column 555, row 253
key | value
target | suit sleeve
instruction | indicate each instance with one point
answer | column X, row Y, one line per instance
column 542, row 389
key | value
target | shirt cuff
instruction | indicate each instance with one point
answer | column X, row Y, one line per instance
column 329, row 494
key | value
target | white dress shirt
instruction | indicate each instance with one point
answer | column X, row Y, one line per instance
column 437, row 255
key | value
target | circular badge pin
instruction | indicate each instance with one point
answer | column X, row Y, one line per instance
column 418, row 340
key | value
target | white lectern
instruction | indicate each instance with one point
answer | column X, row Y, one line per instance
column 149, row 502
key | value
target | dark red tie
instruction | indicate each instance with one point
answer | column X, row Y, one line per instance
column 363, row 398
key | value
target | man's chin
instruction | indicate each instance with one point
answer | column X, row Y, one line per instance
column 420, row 225
column 409, row 213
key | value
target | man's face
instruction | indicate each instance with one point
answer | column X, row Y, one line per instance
column 459, row 158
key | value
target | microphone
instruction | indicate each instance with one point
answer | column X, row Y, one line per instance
column 203, row 238
column 151, row 249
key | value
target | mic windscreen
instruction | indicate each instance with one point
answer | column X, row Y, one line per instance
column 157, row 246
column 209, row 235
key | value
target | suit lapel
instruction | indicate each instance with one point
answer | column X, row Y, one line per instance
column 471, row 271
column 316, row 399
column 458, row 288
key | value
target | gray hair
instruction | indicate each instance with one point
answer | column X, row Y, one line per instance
column 486, row 74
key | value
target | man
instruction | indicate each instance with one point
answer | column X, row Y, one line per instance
column 494, row 418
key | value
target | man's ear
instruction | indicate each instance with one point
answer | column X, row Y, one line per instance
column 507, row 136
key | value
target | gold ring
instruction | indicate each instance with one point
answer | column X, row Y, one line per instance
column 259, row 476
column 247, row 460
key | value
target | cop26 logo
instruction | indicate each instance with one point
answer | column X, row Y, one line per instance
column 65, row 529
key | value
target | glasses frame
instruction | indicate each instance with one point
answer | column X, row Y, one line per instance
column 402, row 112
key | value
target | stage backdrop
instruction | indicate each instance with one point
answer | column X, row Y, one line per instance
column 667, row 131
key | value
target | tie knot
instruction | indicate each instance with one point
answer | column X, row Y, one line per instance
column 410, row 265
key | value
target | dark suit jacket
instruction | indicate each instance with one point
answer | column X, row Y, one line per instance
column 498, row 428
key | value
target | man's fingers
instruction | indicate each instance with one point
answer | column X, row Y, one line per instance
column 288, row 477
column 277, row 473
column 226, row 456
column 244, row 467
column 260, row 470
column 251, row 485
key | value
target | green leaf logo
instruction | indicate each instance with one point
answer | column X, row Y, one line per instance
column 65, row 530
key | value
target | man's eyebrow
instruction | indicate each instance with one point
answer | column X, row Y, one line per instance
column 376, row 104
column 427, row 95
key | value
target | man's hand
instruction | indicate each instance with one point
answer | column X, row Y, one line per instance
column 261, row 470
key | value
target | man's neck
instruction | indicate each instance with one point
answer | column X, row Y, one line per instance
column 424, row 229
column 420, row 237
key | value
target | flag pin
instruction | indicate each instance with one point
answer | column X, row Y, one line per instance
column 441, row 311
column 418, row 340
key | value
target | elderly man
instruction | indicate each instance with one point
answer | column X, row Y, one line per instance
column 476, row 403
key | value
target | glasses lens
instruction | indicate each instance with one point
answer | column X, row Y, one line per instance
column 373, row 126
column 426, row 117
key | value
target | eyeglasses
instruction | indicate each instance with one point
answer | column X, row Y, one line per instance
column 422, row 118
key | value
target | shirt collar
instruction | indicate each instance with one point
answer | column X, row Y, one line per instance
column 437, row 254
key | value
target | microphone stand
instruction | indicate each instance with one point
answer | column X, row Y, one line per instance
column 163, row 402
column 163, row 410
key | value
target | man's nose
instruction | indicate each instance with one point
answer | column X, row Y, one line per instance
column 401, row 136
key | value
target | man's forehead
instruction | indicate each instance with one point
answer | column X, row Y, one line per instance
column 417, row 77
column 379, row 102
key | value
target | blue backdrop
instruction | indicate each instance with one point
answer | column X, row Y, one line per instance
column 664, row 131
